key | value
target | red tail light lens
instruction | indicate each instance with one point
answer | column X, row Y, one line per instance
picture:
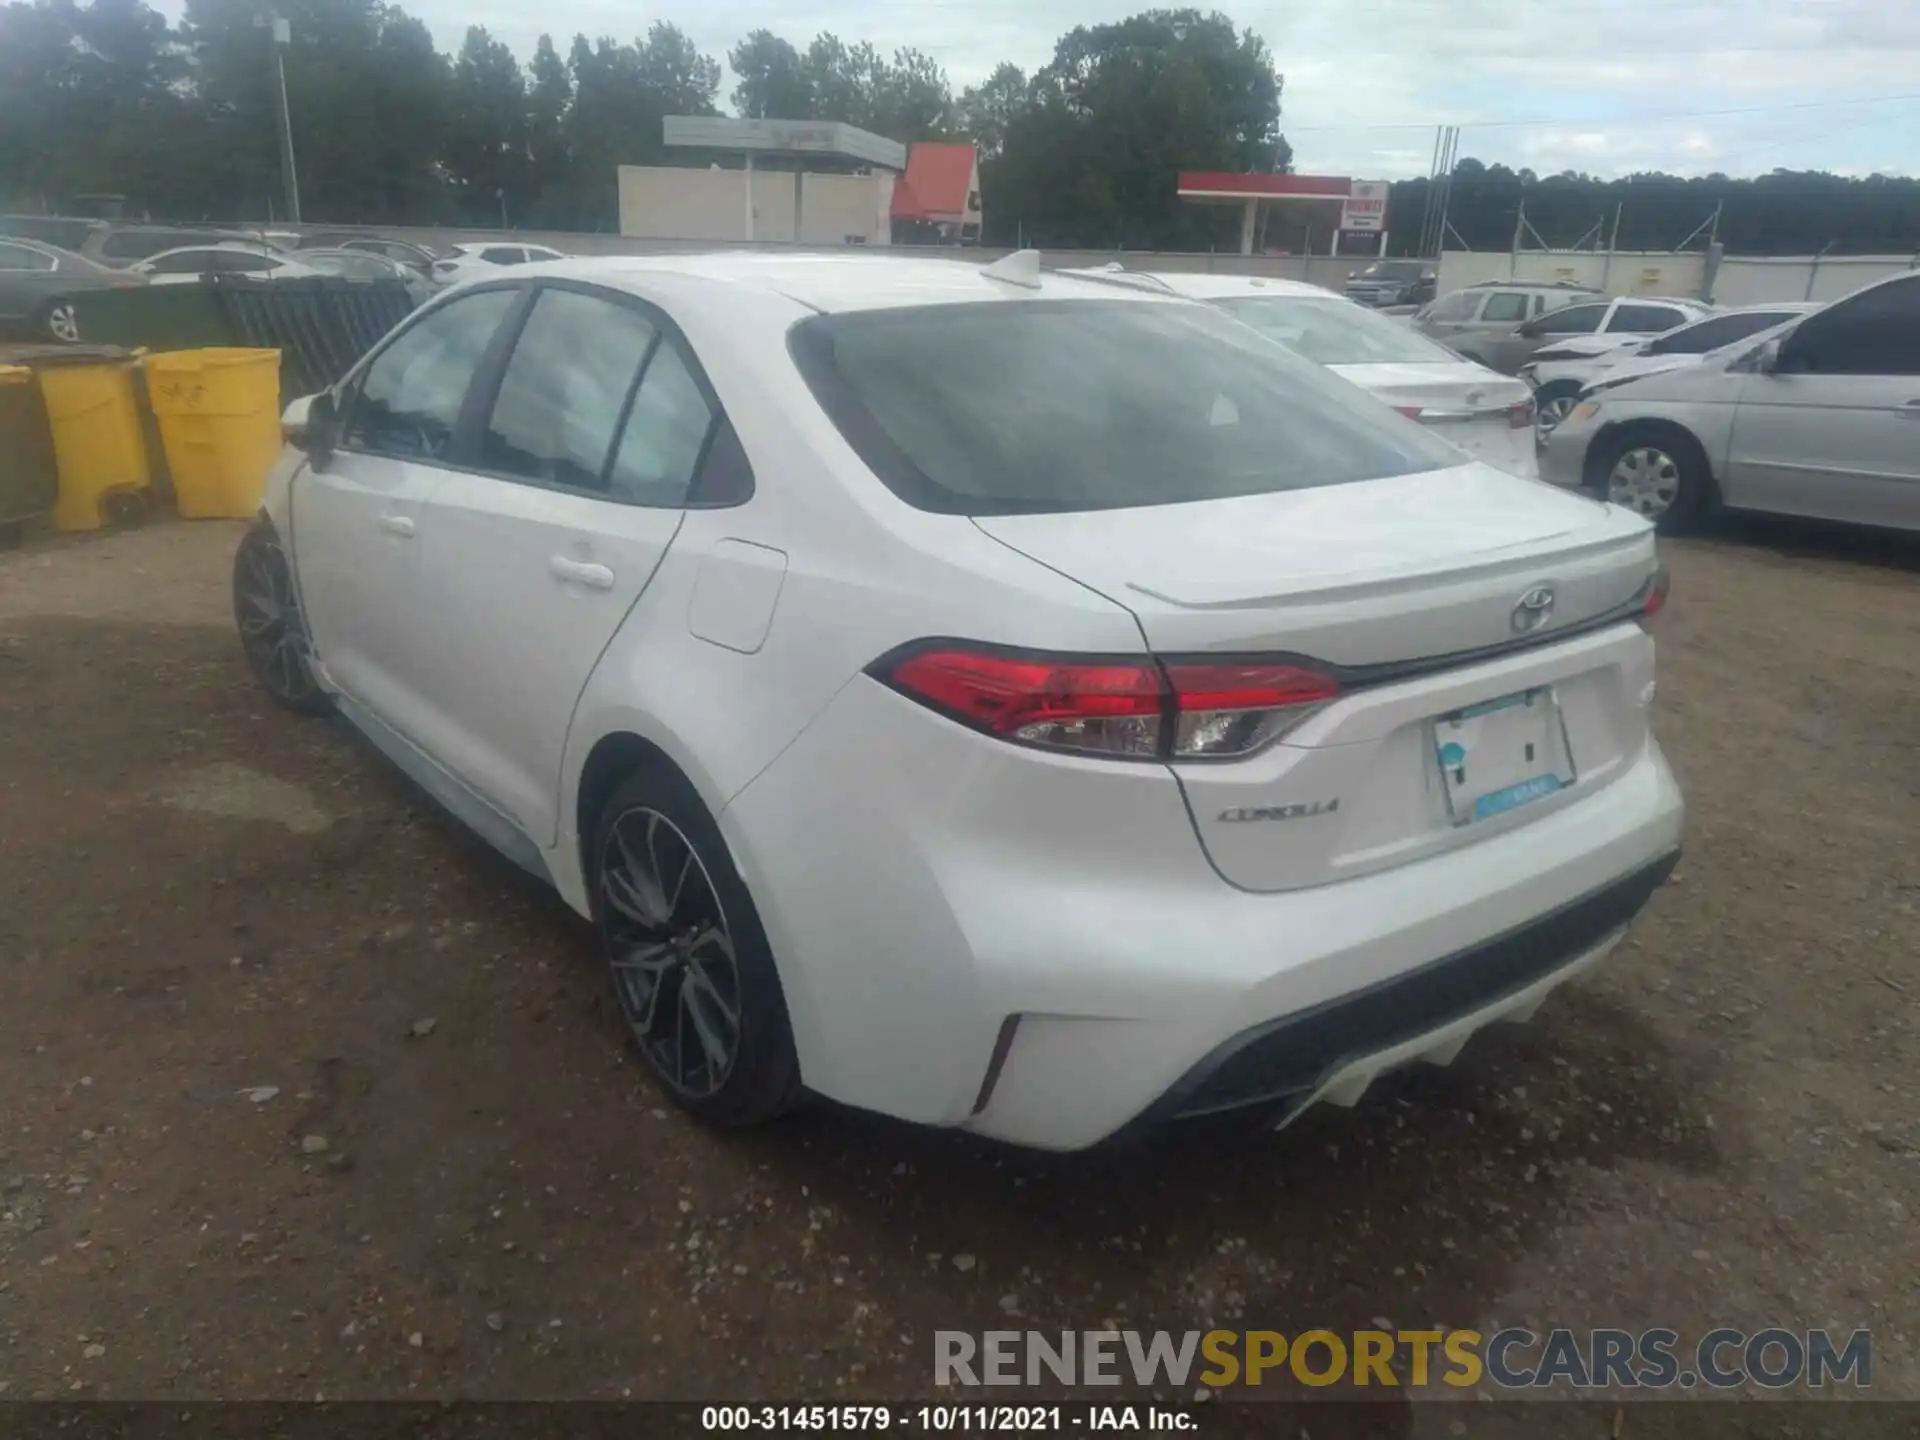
column 1124, row 709
column 1412, row 412
column 1653, row 595
column 1521, row 416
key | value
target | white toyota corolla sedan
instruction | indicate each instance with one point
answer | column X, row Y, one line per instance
column 1006, row 701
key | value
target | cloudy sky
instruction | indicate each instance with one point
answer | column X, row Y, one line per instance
column 1606, row 86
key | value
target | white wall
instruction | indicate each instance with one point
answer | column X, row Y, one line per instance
column 1627, row 272
column 1750, row 281
column 668, row 203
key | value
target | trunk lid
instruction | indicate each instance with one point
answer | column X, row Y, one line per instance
column 1466, row 404
column 1410, row 589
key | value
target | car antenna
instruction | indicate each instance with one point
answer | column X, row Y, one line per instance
column 1021, row 268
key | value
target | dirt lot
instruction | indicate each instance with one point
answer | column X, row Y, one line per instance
column 302, row 1092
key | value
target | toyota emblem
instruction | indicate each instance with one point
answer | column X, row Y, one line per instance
column 1534, row 610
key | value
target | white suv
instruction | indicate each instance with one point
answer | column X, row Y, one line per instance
column 997, row 699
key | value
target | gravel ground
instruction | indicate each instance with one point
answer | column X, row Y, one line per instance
column 302, row 1092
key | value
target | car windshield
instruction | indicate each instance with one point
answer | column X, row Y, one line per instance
column 1335, row 332
column 1050, row 406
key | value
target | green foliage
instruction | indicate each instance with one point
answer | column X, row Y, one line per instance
column 106, row 98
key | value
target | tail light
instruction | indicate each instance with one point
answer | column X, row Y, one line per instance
column 1653, row 596
column 1122, row 709
column 1520, row 417
column 1412, row 412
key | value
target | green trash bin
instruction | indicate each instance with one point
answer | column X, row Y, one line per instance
column 153, row 317
column 29, row 479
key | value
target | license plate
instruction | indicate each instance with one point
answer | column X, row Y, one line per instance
column 1500, row 755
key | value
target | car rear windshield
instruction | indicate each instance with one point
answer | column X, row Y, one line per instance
column 1336, row 332
column 1035, row 406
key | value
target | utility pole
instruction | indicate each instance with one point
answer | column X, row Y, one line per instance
column 280, row 35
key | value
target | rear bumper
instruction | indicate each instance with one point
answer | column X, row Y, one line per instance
column 1036, row 948
column 1333, row 1050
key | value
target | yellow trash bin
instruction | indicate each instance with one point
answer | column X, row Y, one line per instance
column 97, row 444
column 219, row 415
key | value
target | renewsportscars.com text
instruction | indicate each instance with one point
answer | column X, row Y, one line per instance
column 1511, row 1359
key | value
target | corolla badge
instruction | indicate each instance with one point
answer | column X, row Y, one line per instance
column 1534, row 610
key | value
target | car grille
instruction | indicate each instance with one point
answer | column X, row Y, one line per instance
column 1287, row 1059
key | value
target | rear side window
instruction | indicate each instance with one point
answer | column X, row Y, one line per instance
column 664, row 436
column 503, row 254
column 1049, row 406
column 1721, row 330
column 561, row 398
column 187, row 262
column 236, row 262
column 410, row 396
column 1505, row 306
column 1646, row 319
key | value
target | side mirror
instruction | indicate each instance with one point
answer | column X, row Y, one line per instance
column 1766, row 360
column 1529, row 331
column 309, row 424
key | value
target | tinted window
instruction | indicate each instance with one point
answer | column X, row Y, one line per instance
column 564, row 388
column 187, row 262
column 1705, row 335
column 67, row 234
column 1335, row 332
column 410, row 396
column 664, row 434
column 1505, row 306
column 236, row 262
column 1572, row 320
column 1645, row 319
column 19, row 257
column 503, row 254
column 1037, row 406
column 138, row 244
column 1877, row 333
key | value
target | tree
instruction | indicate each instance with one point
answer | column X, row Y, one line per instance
column 986, row 111
column 488, row 151
column 773, row 84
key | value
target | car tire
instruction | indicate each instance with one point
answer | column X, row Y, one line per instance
column 1553, row 403
column 272, row 626
column 692, row 973
column 1659, row 472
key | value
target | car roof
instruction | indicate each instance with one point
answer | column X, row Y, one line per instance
column 1532, row 285
column 841, row 283
column 1207, row 285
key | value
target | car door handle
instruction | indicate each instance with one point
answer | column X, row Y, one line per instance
column 580, row 572
column 400, row 525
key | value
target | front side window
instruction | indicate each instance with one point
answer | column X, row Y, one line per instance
column 1064, row 406
column 1505, row 306
column 1572, row 320
column 503, row 254
column 563, row 391
column 1335, row 332
column 410, row 395
column 664, row 435
column 1875, row 333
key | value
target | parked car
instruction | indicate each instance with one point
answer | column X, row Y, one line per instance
column 67, row 232
column 126, row 245
column 1497, row 333
column 401, row 252
column 1393, row 282
column 1487, row 415
column 1559, row 371
column 37, row 286
column 367, row 265
column 1820, row 417
column 954, row 690
column 191, row 262
column 1470, row 321
column 466, row 262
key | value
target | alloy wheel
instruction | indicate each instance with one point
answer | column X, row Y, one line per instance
column 674, row 966
column 63, row 323
column 271, row 629
column 1553, row 411
column 1645, row 479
